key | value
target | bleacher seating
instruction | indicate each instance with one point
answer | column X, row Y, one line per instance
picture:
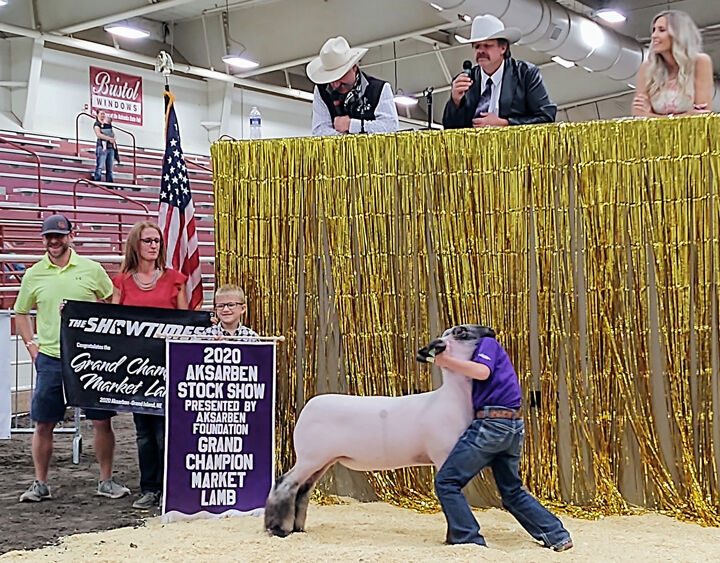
column 102, row 217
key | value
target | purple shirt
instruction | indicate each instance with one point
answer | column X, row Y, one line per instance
column 502, row 388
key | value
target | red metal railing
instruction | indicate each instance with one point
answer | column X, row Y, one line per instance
column 134, row 144
column 198, row 165
column 37, row 159
column 108, row 190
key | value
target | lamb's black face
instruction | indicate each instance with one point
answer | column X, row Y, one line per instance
column 466, row 336
column 468, row 332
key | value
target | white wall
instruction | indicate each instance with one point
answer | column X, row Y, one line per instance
column 65, row 91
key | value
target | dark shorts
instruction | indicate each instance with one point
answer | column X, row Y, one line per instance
column 48, row 400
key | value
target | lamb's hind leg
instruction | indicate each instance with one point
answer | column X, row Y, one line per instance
column 303, row 498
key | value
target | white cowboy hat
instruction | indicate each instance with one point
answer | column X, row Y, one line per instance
column 489, row 27
column 336, row 58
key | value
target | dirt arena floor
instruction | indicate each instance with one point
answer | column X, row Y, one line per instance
column 74, row 507
column 362, row 532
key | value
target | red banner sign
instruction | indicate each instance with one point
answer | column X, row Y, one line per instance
column 118, row 94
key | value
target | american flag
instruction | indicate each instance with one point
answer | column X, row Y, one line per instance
column 176, row 216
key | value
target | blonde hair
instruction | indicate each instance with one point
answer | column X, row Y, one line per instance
column 686, row 45
column 230, row 289
column 132, row 247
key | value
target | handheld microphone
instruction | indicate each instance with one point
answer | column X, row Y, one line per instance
column 467, row 68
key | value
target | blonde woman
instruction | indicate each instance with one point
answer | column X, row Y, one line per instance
column 677, row 78
column 146, row 282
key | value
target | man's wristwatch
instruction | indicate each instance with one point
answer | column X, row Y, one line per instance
column 30, row 343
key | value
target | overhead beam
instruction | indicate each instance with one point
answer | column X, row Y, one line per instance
column 123, row 55
column 366, row 45
column 110, row 18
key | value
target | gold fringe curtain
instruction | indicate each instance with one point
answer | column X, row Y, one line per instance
column 591, row 248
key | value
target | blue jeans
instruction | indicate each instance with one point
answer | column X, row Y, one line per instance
column 496, row 442
column 104, row 158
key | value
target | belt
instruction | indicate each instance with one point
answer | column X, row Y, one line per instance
column 499, row 413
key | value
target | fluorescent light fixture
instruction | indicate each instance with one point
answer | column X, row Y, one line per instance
column 592, row 34
column 438, row 8
column 631, row 86
column 404, row 100
column 563, row 62
column 3, row 2
column 240, row 62
column 126, row 31
column 610, row 15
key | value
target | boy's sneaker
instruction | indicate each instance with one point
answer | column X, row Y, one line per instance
column 38, row 491
column 109, row 488
column 146, row 501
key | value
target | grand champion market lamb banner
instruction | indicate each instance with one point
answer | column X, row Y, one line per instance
column 219, row 450
column 113, row 356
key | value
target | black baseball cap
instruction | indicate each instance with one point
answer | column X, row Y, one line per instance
column 56, row 225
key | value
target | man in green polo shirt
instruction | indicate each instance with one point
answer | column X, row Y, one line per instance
column 60, row 275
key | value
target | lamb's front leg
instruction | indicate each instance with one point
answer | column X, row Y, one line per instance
column 280, row 506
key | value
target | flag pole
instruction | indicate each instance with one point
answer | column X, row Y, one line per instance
column 176, row 212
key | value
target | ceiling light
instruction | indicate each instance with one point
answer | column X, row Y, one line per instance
column 563, row 62
column 438, row 8
column 3, row 2
column 592, row 34
column 240, row 62
column 464, row 17
column 405, row 100
column 610, row 15
column 632, row 86
column 126, row 31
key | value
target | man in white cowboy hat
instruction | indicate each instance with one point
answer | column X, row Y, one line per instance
column 346, row 100
column 500, row 90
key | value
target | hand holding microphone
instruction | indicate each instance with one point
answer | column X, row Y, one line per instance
column 462, row 83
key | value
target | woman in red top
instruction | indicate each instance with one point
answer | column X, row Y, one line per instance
column 146, row 282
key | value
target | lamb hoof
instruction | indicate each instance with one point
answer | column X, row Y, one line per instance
column 278, row 531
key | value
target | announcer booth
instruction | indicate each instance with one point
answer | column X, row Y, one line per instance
column 220, row 421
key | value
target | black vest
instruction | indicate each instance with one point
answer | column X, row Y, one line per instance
column 371, row 94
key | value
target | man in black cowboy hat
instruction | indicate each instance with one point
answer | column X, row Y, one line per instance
column 500, row 90
column 345, row 98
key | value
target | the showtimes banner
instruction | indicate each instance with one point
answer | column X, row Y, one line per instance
column 118, row 94
column 113, row 356
column 220, row 428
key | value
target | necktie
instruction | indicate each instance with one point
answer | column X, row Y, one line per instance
column 484, row 101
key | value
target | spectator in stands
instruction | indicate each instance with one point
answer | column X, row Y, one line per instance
column 146, row 282
column 230, row 308
column 344, row 94
column 104, row 147
column 677, row 78
column 500, row 90
column 60, row 275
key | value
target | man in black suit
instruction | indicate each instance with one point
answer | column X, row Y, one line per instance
column 500, row 90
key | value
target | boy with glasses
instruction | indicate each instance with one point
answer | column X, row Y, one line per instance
column 230, row 307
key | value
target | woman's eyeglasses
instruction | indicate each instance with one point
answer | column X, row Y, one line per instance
column 231, row 305
column 150, row 240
